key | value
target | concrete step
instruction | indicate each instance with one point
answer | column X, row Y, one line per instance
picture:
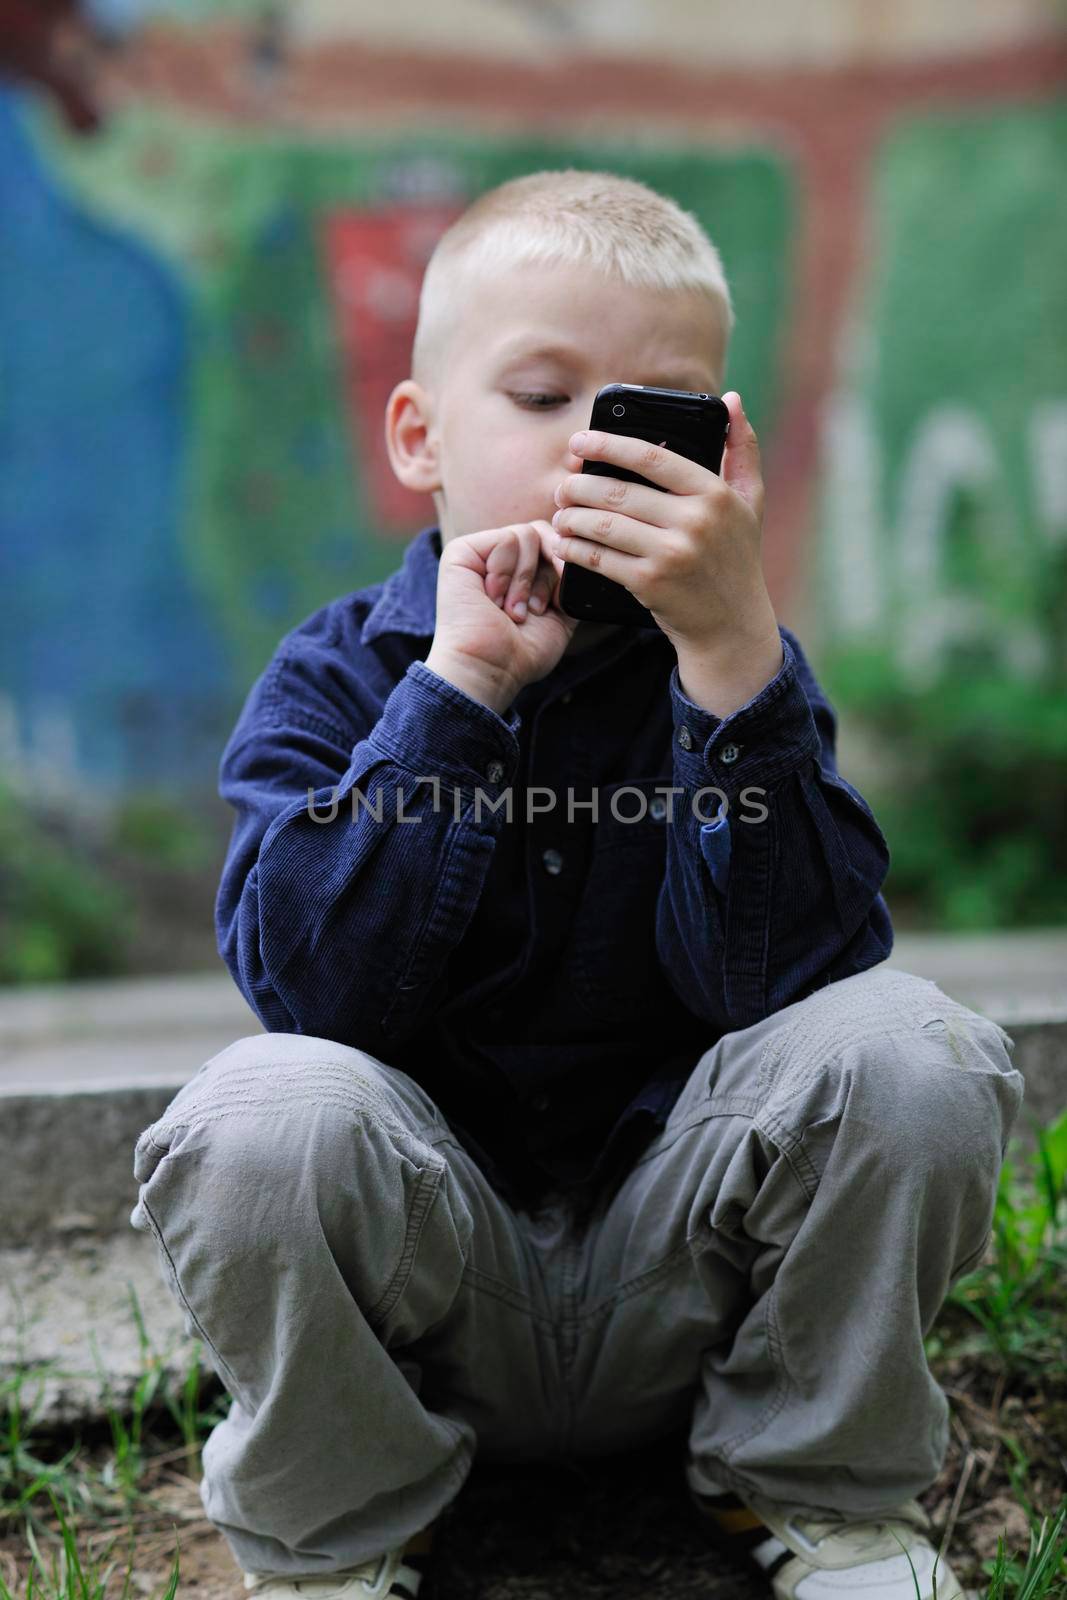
column 1019, row 980
column 75, row 1315
column 85, row 1067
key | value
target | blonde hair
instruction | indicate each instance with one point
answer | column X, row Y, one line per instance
column 616, row 225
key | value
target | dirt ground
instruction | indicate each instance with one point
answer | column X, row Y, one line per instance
column 612, row 1531
column 617, row 1530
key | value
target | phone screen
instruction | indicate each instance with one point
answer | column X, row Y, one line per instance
column 690, row 424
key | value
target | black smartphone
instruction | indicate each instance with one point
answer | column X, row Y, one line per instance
column 693, row 425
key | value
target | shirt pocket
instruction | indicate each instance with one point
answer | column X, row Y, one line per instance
column 615, row 971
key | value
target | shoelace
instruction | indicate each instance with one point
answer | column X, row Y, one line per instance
column 329, row 1582
column 419, row 1545
column 329, row 1585
column 868, row 1530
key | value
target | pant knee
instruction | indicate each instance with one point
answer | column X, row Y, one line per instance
column 924, row 1079
column 265, row 1095
column 947, row 1070
column 276, row 1143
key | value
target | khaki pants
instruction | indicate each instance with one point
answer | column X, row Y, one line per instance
column 762, row 1278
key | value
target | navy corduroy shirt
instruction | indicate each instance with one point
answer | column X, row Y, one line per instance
column 417, row 876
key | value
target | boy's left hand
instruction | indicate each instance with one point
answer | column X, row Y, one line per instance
column 689, row 550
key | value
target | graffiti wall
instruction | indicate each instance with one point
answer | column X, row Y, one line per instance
column 944, row 532
column 204, row 304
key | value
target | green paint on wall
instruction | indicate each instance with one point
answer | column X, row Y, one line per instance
column 957, row 396
column 941, row 578
column 277, row 522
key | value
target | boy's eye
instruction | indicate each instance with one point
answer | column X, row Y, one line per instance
column 539, row 402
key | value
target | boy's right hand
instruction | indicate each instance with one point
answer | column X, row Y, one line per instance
column 482, row 643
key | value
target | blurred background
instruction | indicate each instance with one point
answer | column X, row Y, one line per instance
column 214, row 219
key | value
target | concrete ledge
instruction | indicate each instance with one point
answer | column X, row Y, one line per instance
column 66, row 1158
column 86, row 1067
column 1020, row 981
column 83, row 1069
column 1040, row 1054
column 100, row 1036
column 70, row 1308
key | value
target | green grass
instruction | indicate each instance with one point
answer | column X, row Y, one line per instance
column 1016, row 1298
column 64, row 1575
column 1039, row 1575
column 1009, row 1317
column 1036, row 1579
column 60, row 916
column 55, row 1497
column 999, row 1337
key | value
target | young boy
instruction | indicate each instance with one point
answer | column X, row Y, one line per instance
column 571, row 1128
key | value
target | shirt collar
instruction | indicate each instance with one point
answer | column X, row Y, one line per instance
column 408, row 601
column 408, row 604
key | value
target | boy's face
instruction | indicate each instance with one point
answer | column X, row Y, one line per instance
column 529, row 352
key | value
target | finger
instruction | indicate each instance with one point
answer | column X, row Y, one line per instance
column 524, row 572
column 500, row 562
column 598, row 557
column 611, row 529
column 741, row 467
column 553, row 563
column 665, row 468
column 542, row 587
column 545, row 580
column 651, row 506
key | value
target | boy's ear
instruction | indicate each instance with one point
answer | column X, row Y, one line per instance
column 411, row 442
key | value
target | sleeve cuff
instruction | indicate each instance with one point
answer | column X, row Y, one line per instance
column 435, row 729
column 762, row 741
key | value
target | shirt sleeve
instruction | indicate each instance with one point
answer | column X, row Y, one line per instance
column 358, row 854
column 775, row 863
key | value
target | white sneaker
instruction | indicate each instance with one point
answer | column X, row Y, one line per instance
column 398, row 1575
column 813, row 1554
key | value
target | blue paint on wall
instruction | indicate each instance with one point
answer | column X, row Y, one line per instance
column 102, row 627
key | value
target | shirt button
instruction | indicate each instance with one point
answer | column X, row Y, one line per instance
column 685, row 738
column 566, row 697
column 495, row 771
column 658, row 808
column 540, row 1102
column 729, row 753
column 553, row 861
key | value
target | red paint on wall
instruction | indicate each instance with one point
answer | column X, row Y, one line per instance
column 44, row 42
column 375, row 261
column 827, row 122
